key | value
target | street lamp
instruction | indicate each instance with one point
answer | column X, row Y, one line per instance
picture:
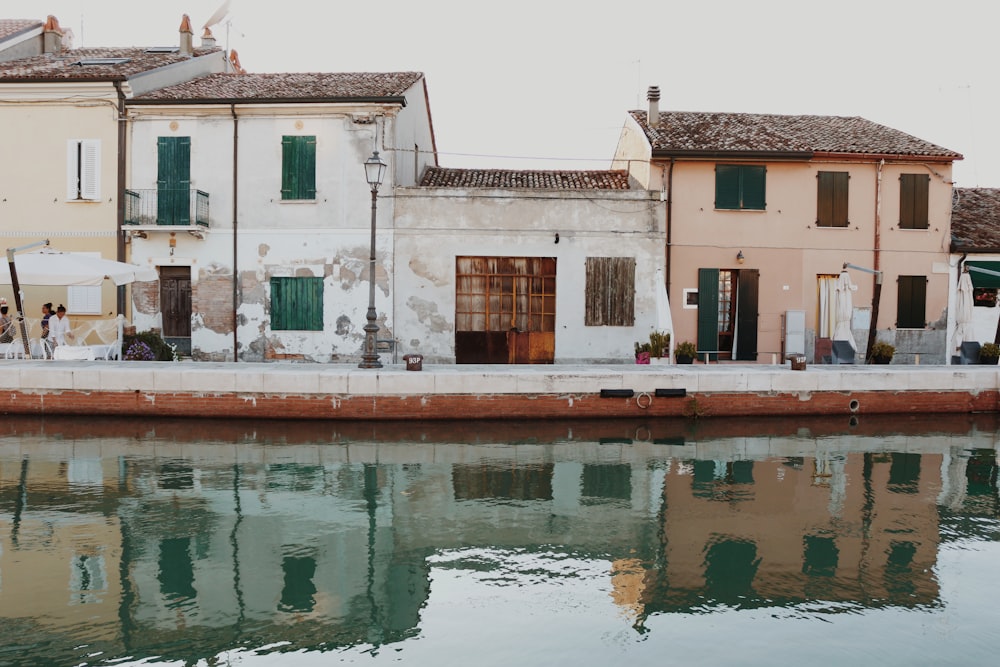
column 374, row 171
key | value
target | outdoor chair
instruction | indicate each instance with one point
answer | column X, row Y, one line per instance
column 968, row 353
column 842, row 352
column 36, row 346
column 95, row 339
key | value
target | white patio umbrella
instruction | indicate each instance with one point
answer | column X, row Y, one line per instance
column 664, row 320
column 844, row 311
column 963, row 311
column 52, row 267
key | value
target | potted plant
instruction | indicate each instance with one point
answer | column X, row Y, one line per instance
column 642, row 353
column 989, row 353
column 882, row 352
column 659, row 346
column 685, row 352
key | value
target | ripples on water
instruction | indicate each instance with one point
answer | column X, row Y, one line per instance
column 673, row 542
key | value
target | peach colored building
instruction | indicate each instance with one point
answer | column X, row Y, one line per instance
column 764, row 211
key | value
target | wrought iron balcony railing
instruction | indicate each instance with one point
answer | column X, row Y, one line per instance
column 162, row 207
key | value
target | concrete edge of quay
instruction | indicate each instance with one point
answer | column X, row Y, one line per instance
column 327, row 391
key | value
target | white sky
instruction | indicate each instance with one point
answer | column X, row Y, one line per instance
column 546, row 84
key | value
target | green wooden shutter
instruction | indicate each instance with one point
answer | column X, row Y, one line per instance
column 914, row 190
column 831, row 203
column 911, row 302
column 747, row 315
column 727, row 186
column 708, row 310
column 298, row 167
column 752, row 187
column 173, row 181
column 297, row 304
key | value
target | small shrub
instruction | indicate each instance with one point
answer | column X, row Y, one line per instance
column 686, row 349
column 160, row 349
column 989, row 351
column 659, row 344
column 882, row 350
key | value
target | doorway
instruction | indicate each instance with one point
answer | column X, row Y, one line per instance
column 728, row 313
column 175, row 306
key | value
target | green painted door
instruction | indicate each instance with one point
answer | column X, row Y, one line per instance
column 173, row 181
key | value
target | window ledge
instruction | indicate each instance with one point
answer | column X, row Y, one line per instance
column 298, row 201
column 740, row 210
column 83, row 201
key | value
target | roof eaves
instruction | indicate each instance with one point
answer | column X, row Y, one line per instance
column 270, row 100
column 920, row 157
column 731, row 155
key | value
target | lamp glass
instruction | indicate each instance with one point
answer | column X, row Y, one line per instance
column 375, row 170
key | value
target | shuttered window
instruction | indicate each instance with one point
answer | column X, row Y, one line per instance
column 911, row 302
column 913, row 194
column 740, row 187
column 298, row 167
column 297, row 304
column 831, row 200
column 610, row 292
column 83, row 169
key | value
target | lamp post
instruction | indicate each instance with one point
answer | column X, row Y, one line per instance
column 374, row 171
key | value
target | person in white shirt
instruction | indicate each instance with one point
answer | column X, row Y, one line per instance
column 59, row 326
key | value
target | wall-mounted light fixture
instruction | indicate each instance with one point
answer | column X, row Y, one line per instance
column 740, row 258
column 557, row 237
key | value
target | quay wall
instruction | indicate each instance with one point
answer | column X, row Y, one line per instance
column 341, row 392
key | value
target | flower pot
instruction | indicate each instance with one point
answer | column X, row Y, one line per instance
column 659, row 361
column 882, row 360
column 683, row 359
column 987, row 361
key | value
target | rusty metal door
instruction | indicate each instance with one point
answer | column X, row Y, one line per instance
column 505, row 310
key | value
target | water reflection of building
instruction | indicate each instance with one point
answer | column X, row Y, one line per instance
column 184, row 550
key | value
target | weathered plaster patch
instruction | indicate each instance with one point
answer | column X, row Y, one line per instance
column 427, row 313
column 344, row 325
column 251, row 287
column 420, row 268
column 263, row 249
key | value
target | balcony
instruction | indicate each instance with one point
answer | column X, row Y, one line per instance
column 166, row 208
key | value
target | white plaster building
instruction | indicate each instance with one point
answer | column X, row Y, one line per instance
column 261, row 176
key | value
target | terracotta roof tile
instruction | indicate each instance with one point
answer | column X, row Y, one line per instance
column 66, row 64
column 441, row 177
column 12, row 27
column 680, row 131
column 284, row 86
column 975, row 219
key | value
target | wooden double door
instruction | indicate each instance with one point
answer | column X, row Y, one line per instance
column 505, row 310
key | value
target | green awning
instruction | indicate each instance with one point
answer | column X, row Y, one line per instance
column 980, row 279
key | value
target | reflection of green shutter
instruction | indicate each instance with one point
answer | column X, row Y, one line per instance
column 297, row 304
column 173, row 181
column 708, row 309
column 727, row 186
column 298, row 167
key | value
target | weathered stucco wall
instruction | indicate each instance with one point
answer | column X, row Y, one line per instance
column 436, row 225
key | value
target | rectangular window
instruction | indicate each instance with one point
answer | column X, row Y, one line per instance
column 740, row 187
column 831, row 199
column 610, row 292
column 296, row 304
column 83, row 299
column 913, row 196
column 911, row 302
column 83, row 170
column 298, row 167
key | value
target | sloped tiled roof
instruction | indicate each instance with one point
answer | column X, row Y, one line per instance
column 975, row 219
column 12, row 27
column 65, row 65
column 683, row 132
column 286, row 86
column 441, row 177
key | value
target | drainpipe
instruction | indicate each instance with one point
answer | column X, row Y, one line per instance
column 877, row 278
column 236, row 273
column 120, row 218
column 670, row 202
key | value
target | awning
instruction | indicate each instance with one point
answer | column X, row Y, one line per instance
column 980, row 279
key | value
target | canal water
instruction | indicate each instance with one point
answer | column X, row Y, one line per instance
column 673, row 542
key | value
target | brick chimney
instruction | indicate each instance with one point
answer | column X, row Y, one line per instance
column 52, row 36
column 187, row 37
column 653, row 118
column 207, row 39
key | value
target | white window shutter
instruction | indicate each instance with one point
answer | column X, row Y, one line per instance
column 91, row 169
column 84, row 299
column 71, row 168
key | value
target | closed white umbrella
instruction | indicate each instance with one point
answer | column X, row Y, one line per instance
column 664, row 320
column 51, row 267
column 963, row 311
column 844, row 311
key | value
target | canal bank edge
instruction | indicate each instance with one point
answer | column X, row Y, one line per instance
column 341, row 392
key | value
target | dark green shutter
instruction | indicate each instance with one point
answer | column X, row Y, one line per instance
column 914, row 190
column 747, row 291
column 752, row 187
column 727, row 186
column 911, row 302
column 708, row 310
column 297, row 304
column 831, row 203
column 173, row 181
column 298, row 167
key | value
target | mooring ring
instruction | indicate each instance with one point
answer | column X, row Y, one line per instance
column 638, row 400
